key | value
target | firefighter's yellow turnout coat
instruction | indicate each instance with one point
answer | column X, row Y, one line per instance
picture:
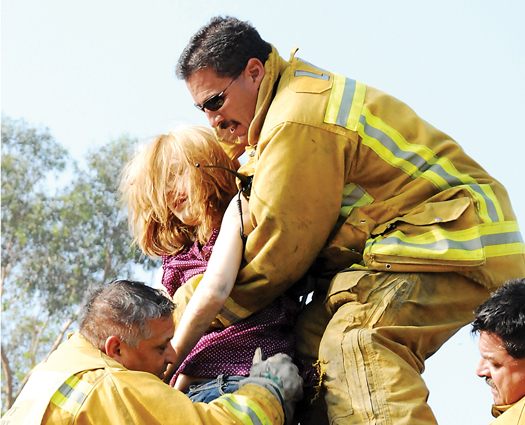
column 513, row 414
column 81, row 385
column 350, row 180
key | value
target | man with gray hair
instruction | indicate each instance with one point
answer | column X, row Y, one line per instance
column 109, row 371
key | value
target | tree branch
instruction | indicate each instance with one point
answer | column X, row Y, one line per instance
column 60, row 336
column 37, row 341
column 8, row 387
column 4, row 268
column 15, row 299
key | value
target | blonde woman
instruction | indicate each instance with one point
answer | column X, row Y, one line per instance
column 177, row 204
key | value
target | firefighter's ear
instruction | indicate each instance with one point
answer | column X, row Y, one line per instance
column 254, row 71
column 113, row 347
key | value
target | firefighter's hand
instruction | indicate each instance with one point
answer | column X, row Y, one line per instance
column 280, row 376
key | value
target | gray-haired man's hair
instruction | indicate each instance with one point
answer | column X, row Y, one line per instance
column 121, row 308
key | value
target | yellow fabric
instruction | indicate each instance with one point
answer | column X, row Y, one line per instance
column 510, row 415
column 384, row 326
column 323, row 132
column 115, row 395
column 347, row 177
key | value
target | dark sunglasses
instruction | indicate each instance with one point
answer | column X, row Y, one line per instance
column 215, row 102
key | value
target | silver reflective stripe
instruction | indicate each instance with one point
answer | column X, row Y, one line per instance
column 491, row 208
column 354, row 196
column 502, row 238
column 411, row 157
column 71, row 393
column 229, row 315
column 441, row 245
column 402, row 154
column 300, row 73
column 346, row 102
column 246, row 410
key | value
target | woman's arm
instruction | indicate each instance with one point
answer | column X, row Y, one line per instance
column 216, row 284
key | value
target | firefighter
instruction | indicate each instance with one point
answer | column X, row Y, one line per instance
column 402, row 232
column 110, row 372
column 500, row 323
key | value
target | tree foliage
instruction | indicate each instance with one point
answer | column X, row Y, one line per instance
column 55, row 242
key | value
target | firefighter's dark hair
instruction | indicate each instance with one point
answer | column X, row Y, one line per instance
column 503, row 314
column 225, row 45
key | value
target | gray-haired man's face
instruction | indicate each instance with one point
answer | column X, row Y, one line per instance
column 152, row 354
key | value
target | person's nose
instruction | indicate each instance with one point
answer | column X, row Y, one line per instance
column 214, row 118
column 481, row 368
column 170, row 354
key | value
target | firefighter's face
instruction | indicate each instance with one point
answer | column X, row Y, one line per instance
column 503, row 373
column 229, row 103
column 152, row 354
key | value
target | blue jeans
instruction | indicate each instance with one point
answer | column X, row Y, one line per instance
column 210, row 390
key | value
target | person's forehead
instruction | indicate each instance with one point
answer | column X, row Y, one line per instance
column 491, row 341
column 205, row 83
column 163, row 329
column 492, row 348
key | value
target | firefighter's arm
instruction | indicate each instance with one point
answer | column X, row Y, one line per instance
column 140, row 397
column 295, row 202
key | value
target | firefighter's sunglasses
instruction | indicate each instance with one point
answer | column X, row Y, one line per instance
column 215, row 102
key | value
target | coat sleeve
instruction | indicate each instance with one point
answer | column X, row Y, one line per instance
column 140, row 398
column 294, row 204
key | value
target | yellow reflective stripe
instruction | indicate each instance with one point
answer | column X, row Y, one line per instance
column 486, row 240
column 346, row 101
column 354, row 196
column 33, row 401
column 71, row 394
column 357, row 266
column 414, row 159
column 345, row 108
column 357, row 106
column 420, row 161
column 502, row 239
column 336, row 96
column 463, row 245
column 489, row 207
column 248, row 412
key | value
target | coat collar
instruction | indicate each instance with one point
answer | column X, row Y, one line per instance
column 273, row 68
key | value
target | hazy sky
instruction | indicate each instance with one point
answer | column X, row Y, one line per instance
column 92, row 70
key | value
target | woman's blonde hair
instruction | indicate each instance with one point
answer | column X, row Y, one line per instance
column 165, row 170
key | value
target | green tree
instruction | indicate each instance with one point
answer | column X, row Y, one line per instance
column 29, row 156
column 55, row 244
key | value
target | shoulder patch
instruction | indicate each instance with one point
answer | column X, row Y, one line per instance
column 307, row 78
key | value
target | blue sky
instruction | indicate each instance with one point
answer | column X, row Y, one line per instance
column 92, row 70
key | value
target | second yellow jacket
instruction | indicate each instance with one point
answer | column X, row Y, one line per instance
column 95, row 389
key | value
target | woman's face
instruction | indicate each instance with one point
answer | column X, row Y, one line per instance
column 182, row 210
column 179, row 204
